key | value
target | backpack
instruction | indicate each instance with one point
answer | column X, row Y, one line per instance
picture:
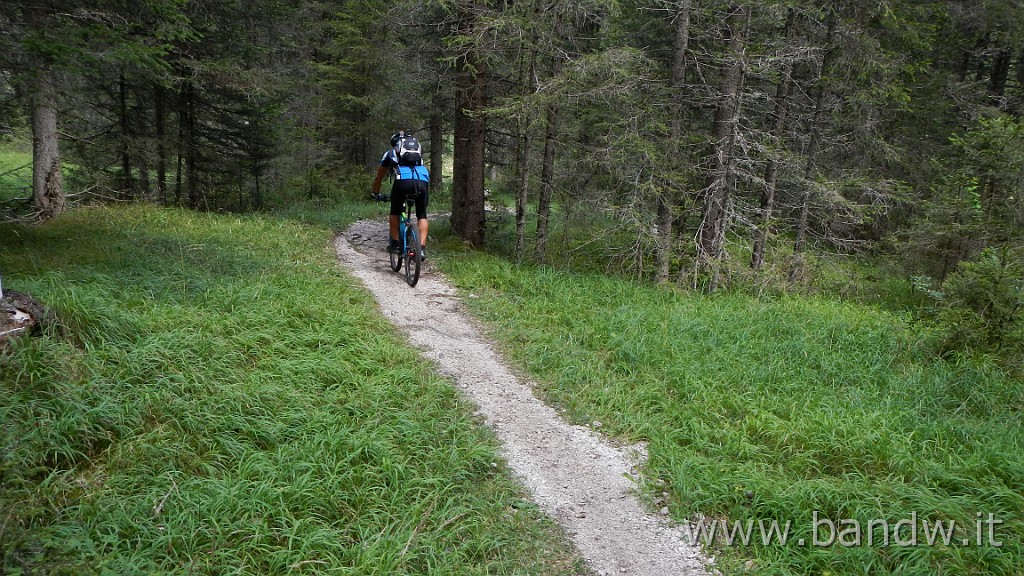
column 408, row 152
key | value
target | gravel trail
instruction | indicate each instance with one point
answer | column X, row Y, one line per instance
column 574, row 475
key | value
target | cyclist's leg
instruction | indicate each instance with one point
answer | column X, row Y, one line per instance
column 397, row 205
column 422, row 200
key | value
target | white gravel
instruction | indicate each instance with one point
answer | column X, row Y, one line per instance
column 574, row 475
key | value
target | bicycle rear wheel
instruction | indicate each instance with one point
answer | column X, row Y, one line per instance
column 412, row 254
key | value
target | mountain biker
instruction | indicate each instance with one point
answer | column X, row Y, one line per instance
column 411, row 176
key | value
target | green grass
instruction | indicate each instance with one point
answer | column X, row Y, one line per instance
column 15, row 174
column 761, row 409
column 332, row 214
column 221, row 399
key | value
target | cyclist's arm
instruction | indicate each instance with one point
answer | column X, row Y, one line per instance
column 387, row 163
column 381, row 172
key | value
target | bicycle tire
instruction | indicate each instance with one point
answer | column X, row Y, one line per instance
column 412, row 255
column 396, row 259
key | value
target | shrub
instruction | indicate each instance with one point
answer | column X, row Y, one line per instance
column 983, row 303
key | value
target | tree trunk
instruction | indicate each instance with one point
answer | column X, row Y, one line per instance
column 1020, row 67
column 257, row 191
column 468, row 163
column 664, row 239
column 1000, row 71
column 797, row 269
column 547, row 183
column 145, row 185
column 144, row 155
column 255, row 153
column 682, row 44
column 188, row 122
column 526, row 142
column 179, row 167
column 771, row 171
column 716, row 192
column 800, row 243
column 666, row 202
column 127, row 184
column 436, row 145
column 523, row 155
column 47, row 180
column 965, row 65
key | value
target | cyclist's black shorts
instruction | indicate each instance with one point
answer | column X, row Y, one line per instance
column 399, row 190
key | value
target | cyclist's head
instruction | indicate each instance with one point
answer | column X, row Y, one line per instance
column 396, row 137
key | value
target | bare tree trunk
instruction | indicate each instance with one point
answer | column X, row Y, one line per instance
column 716, row 192
column 47, row 180
column 190, row 148
column 965, row 65
column 796, row 271
column 159, row 127
column 524, row 190
column 665, row 200
column 41, row 93
column 145, row 185
column 188, row 121
column 179, row 166
column 664, row 239
column 1000, row 71
column 468, row 170
column 522, row 140
column 144, row 154
column 771, row 171
column 547, row 183
column 127, row 183
column 799, row 245
column 257, row 191
column 436, row 145
column 1020, row 67
column 523, row 155
column 681, row 47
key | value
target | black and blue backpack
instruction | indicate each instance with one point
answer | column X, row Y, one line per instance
column 409, row 155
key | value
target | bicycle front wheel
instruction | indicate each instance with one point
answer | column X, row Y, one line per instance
column 396, row 259
column 412, row 254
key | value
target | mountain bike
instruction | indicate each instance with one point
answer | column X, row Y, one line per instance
column 409, row 237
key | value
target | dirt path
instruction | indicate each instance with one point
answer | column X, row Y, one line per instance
column 574, row 475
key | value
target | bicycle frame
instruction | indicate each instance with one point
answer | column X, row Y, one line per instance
column 409, row 239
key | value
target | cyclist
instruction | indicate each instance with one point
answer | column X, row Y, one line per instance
column 405, row 161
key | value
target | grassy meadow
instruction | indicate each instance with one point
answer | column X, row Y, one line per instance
column 784, row 408
column 218, row 397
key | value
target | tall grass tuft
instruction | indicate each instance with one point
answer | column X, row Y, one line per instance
column 221, row 399
column 785, row 408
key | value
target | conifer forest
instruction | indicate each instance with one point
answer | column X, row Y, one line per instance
column 711, row 144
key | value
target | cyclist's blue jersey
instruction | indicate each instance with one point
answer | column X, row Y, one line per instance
column 418, row 172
